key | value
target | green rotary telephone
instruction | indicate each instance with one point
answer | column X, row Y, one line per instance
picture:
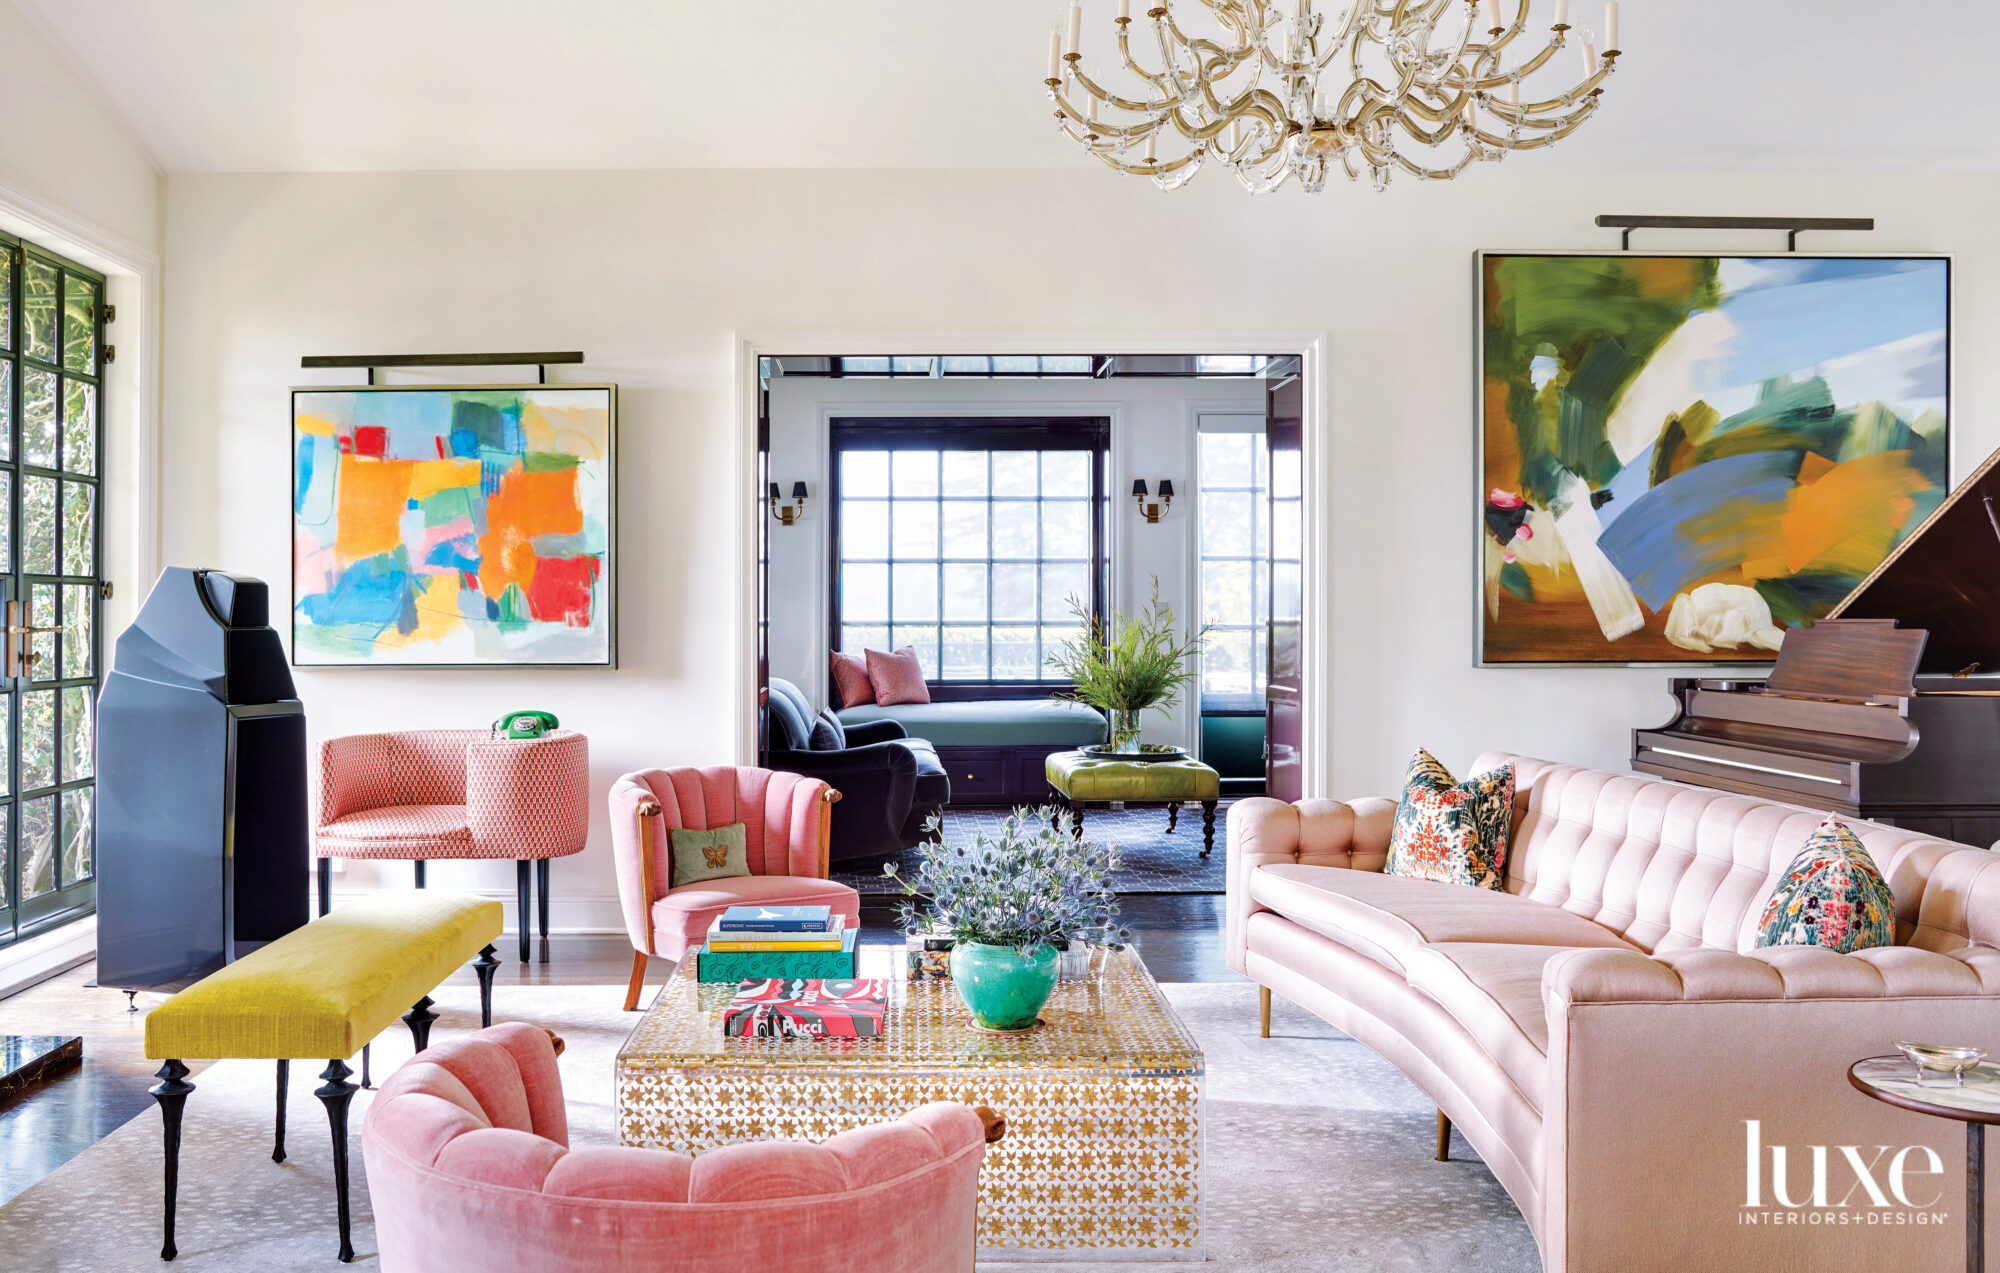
column 525, row 724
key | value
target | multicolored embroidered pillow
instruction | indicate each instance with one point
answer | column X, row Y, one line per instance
column 1449, row 831
column 1831, row 896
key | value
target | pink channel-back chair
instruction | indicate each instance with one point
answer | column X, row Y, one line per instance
column 787, row 822
column 425, row 794
column 470, row 1170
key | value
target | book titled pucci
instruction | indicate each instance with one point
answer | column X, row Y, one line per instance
column 807, row 1008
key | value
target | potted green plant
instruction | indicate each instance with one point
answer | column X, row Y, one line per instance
column 1009, row 904
column 1125, row 664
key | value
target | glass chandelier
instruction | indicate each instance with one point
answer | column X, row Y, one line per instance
column 1424, row 86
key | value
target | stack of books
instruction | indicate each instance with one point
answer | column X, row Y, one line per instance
column 763, row 942
column 808, row 1008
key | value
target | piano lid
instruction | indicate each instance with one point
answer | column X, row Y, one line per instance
column 1945, row 578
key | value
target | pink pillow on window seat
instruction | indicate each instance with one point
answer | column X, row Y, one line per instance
column 898, row 677
column 850, row 680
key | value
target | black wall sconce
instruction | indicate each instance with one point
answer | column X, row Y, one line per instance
column 787, row 515
column 1153, row 512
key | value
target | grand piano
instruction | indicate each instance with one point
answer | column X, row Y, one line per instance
column 1888, row 709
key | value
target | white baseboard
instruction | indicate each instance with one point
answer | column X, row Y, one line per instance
column 46, row 955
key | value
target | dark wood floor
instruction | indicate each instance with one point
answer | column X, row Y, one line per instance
column 1178, row 935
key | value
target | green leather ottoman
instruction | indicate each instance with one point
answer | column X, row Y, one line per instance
column 1083, row 780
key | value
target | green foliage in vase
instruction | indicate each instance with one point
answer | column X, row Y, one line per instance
column 1030, row 886
column 1128, row 663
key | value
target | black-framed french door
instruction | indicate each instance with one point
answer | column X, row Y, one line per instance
column 51, row 549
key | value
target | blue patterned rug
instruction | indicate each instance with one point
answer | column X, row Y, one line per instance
column 1150, row 860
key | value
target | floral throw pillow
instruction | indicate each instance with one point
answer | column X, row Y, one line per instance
column 1449, row 831
column 1832, row 895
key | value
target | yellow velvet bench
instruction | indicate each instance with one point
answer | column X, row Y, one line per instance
column 321, row 991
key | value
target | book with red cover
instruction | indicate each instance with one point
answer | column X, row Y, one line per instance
column 807, row 1008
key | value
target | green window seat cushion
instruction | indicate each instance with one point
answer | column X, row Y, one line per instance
column 990, row 722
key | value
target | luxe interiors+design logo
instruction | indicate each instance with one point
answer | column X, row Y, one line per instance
column 1839, row 1184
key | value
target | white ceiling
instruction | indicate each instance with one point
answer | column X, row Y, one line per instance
column 313, row 85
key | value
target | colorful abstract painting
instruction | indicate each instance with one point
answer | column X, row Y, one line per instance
column 452, row 526
column 1683, row 456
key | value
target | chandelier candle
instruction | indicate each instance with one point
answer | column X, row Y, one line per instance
column 1374, row 89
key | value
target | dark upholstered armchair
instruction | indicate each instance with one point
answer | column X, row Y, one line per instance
column 889, row 783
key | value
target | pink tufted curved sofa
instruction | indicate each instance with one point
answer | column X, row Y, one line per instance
column 787, row 821
column 1604, row 1032
column 470, row 1171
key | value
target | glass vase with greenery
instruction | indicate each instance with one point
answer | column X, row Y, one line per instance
column 1124, row 664
column 1009, row 903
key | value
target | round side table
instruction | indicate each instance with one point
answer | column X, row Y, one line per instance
column 1976, row 1102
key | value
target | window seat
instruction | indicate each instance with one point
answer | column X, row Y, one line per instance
column 993, row 748
column 990, row 722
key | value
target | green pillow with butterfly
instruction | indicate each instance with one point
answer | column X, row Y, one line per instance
column 709, row 855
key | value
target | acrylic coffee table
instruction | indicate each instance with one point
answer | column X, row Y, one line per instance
column 1103, row 1155
column 1975, row 1102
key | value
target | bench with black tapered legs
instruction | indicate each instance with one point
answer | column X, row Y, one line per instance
column 322, row 991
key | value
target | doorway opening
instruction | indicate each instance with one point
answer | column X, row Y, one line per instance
column 934, row 527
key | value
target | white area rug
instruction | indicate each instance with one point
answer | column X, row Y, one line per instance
column 1319, row 1156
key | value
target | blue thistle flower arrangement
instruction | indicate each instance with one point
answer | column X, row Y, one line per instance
column 1028, row 887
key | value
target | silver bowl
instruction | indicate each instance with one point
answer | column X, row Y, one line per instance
column 1941, row 1058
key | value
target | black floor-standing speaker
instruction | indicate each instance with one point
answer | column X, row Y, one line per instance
column 202, row 851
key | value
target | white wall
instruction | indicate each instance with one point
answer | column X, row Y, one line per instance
column 1152, row 437
column 652, row 273
column 75, row 180
column 63, row 145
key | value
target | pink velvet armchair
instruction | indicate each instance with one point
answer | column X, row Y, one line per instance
column 470, row 1170
column 787, row 821
column 454, row 793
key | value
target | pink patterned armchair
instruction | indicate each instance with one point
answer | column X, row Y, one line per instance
column 787, row 822
column 454, row 793
column 470, row 1170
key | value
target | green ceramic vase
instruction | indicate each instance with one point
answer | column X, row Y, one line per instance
column 1004, row 988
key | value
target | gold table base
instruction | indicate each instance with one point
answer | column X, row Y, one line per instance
column 1103, row 1154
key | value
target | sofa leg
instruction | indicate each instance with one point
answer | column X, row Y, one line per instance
column 1444, row 1138
column 484, row 967
column 1263, row 1012
column 638, row 982
column 172, row 1093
